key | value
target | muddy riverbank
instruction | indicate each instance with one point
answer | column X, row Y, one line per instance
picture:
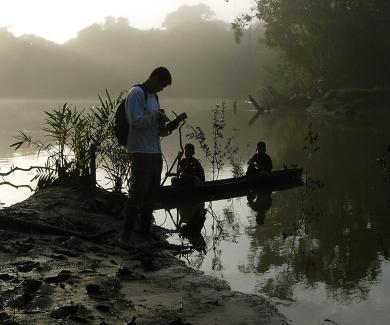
column 80, row 275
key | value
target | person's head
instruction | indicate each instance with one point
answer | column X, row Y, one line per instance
column 261, row 148
column 189, row 150
column 158, row 80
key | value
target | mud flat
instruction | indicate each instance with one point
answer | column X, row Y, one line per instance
column 60, row 264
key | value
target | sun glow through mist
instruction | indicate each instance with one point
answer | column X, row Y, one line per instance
column 61, row 20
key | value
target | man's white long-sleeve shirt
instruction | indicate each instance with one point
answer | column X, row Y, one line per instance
column 143, row 134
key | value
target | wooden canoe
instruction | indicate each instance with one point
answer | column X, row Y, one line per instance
column 231, row 187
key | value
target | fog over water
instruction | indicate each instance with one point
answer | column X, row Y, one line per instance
column 200, row 51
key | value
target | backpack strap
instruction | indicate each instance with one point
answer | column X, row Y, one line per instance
column 143, row 87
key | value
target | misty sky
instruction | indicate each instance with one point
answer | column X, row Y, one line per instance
column 60, row 20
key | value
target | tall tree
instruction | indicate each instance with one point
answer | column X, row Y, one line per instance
column 328, row 44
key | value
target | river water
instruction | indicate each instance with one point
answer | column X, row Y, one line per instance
column 319, row 252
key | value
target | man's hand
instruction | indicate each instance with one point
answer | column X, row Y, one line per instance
column 162, row 118
column 173, row 125
column 168, row 127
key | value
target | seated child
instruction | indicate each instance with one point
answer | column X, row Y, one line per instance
column 190, row 170
column 260, row 163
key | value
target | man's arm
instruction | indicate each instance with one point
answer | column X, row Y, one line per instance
column 200, row 170
column 136, row 113
column 270, row 163
column 252, row 160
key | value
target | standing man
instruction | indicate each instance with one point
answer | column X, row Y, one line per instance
column 143, row 144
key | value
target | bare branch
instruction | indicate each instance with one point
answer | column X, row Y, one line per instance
column 14, row 169
column 17, row 186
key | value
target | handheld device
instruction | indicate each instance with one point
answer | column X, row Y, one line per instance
column 172, row 125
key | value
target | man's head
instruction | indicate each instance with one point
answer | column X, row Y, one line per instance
column 158, row 80
column 189, row 150
column 261, row 147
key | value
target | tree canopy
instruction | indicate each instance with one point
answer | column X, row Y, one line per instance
column 327, row 44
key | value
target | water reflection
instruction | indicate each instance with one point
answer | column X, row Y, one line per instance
column 322, row 254
column 191, row 221
column 260, row 202
column 331, row 244
column 203, row 226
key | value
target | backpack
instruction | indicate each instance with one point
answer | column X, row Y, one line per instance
column 121, row 125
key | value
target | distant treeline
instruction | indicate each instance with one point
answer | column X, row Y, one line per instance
column 200, row 51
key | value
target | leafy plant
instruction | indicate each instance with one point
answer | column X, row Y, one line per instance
column 222, row 148
column 60, row 127
column 116, row 165
column 232, row 150
column 80, row 141
column 112, row 157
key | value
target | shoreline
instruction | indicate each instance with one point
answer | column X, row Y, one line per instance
column 66, row 279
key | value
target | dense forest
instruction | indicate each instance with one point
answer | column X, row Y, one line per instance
column 199, row 50
column 326, row 45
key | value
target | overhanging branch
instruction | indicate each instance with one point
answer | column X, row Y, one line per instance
column 17, row 186
column 14, row 169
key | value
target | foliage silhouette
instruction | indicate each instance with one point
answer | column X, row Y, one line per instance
column 80, row 142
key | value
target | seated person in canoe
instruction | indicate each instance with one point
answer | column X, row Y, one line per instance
column 260, row 163
column 190, row 170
